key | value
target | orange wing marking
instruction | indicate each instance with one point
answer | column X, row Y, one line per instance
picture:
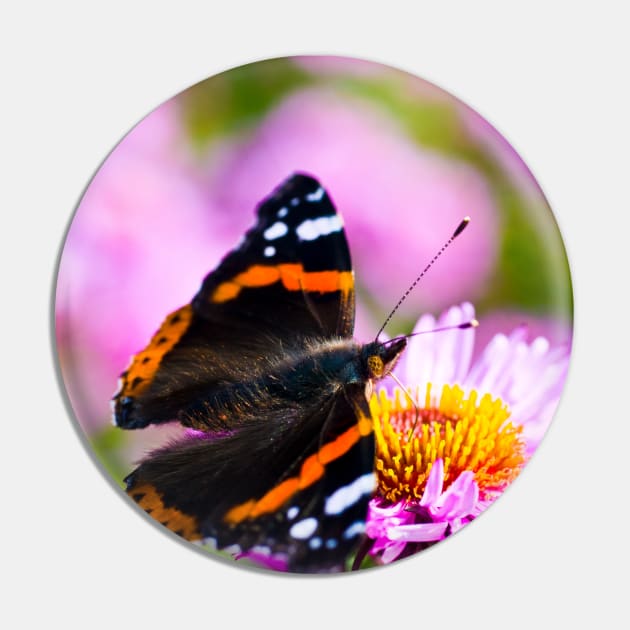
column 311, row 471
column 151, row 502
column 292, row 276
column 145, row 364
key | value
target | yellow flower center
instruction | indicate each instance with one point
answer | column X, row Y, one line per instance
column 466, row 433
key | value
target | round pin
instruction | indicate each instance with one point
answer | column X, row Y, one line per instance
column 313, row 315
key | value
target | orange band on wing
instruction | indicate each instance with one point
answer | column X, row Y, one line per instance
column 226, row 291
column 311, row 471
column 292, row 276
column 144, row 365
column 260, row 275
column 151, row 502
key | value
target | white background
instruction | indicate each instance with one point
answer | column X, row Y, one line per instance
column 551, row 76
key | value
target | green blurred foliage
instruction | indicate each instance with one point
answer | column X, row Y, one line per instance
column 109, row 444
column 232, row 101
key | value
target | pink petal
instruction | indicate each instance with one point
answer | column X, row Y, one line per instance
column 392, row 552
column 433, row 489
column 422, row 532
column 447, row 344
column 463, row 350
column 420, row 355
column 459, row 498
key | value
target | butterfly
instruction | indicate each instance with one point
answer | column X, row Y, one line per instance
column 263, row 365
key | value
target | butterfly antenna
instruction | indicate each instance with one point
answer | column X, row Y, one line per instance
column 471, row 323
column 460, row 228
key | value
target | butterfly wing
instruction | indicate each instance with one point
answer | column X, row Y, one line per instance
column 299, row 496
column 289, row 281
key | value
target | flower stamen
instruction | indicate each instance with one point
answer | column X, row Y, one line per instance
column 467, row 432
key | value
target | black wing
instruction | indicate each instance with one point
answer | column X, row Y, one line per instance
column 299, row 494
column 288, row 282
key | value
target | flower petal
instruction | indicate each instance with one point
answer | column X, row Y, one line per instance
column 463, row 350
column 392, row 551
column 422, row 532
column 420, row 354
column 458, row 500
column 433, row 489
column 448, row 344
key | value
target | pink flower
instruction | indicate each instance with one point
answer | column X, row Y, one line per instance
column 435, row 516
column 527, row 375
column 474, row 426
column 556, row 330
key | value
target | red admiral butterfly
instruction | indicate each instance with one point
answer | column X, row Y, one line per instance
column 262, row 363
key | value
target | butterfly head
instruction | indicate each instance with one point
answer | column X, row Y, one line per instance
column 380, row 358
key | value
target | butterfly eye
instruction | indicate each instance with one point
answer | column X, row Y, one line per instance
column 375, row 366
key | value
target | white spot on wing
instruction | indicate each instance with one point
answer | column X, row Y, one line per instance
column 304, row 529
column 295, row 201
column 292, row 512
column 331, row 543
column 269, row 251
column 311, row 229
column 315, row 196
column 346, row 496
column 282, row 213
column 277, row 230
column 353, row 530
column 315, row 542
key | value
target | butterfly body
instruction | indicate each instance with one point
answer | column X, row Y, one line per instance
column 263, row 365
column 323, row 370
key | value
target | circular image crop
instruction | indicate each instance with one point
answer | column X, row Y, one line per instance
column 313, row 314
